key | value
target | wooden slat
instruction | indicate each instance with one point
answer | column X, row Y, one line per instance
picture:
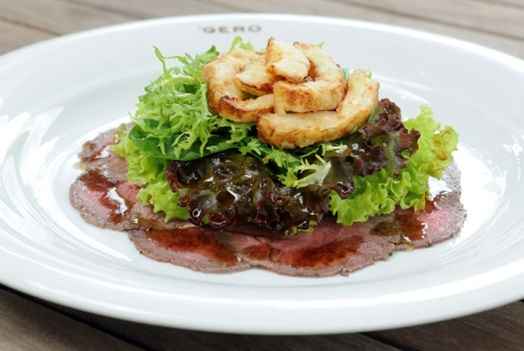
column 479, row 15
column 25, row 325
column 57, row 16
column 13, row 36
column 81, row 14
column 510, row 3
column 163, row 339
column 160, row 338
column 154, row 8
column 357, row 11
column 500, row 329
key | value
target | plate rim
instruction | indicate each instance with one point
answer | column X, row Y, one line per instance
column 142, row 316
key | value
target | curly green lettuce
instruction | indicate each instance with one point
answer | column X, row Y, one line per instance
column 381, row 192
column 149, row 172
column 172, row 119
column 173, row 122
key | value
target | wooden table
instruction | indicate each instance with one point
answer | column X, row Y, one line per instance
column 27, row 323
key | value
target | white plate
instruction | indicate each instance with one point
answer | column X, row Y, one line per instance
column 57, row 94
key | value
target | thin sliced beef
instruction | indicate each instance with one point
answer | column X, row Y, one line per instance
column 111, row 166
column 329, row 250
column 442, row 218
column 105, row 198
column 191, row 247
column 113, row 204
column 94, row 149
column 440, row 223
column 102, row 194
column 96, row 155
column 326, row 251
column 102, row 202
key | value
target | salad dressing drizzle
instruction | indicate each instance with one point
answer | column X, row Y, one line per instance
column 406, row 223
column 108, row 194
column 195, row 240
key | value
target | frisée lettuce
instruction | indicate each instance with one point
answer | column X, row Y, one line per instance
column 381, row 192
column 173, row 122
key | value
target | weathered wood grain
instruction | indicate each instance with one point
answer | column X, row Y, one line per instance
column 356, row 11
column 26, row 325
column 154, row 8
column 56, row 16
column 508, row 3
column 490, row 17
column 167, row 339
column 73, row 15
column 13, row 36
column 500, row 329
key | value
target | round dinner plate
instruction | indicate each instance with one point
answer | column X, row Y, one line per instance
column 57, row 94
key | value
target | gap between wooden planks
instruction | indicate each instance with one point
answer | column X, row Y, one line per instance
column 350, row 9
column 485, row 16
column 499, row 329
column 13, row 36
column 26, row 325
column 62, row 16
column 55, row 320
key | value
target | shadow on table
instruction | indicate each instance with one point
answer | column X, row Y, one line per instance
column 500, row 329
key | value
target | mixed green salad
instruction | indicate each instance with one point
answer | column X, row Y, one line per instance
column 385, row 164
